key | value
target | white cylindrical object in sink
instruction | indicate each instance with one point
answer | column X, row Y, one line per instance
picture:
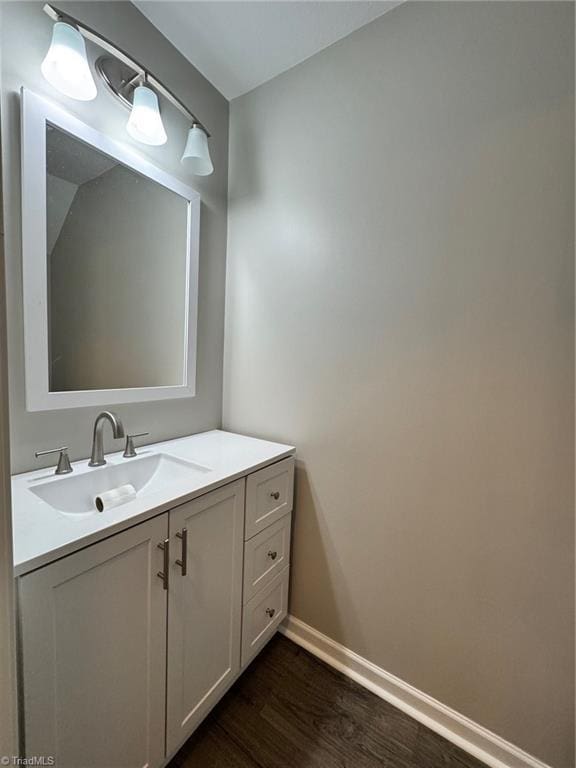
column 114, row 497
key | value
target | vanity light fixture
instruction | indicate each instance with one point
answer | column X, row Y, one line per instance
column 66, row 68
column 196, row 153
column 145, row 123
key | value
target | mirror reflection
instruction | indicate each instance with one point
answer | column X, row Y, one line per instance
column 117, row 272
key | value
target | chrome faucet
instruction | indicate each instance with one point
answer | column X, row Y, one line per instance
column 97, row 459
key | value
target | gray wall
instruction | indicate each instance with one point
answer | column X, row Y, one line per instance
column 8, row 716
column 400, row 307
column 26, row 33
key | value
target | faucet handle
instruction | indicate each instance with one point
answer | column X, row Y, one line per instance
column 63, row 467
column 129, row 450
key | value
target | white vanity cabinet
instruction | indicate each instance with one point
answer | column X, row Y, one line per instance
column 128, row 643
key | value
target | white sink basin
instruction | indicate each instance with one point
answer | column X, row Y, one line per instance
column 75, row 494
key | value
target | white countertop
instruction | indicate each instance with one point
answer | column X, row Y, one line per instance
column 42, row 534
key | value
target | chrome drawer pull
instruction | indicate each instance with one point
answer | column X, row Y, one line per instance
column 183, row 563
column 165, row 547
column 270, row 612
column 275, row 495
column 272, row 555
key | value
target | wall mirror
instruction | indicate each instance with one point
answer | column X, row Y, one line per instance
column 110, row 268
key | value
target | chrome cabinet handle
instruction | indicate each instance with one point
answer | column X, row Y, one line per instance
column 183, row 563
column 275, row 495
column 165, row 547
column 272, row 555
column 270, row 612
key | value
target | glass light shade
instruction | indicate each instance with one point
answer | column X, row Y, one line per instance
column 196, row 152
column 65, row 66
column 145, row 123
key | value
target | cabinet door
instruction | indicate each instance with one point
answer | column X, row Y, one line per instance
column 93, row 633
column 204, row 610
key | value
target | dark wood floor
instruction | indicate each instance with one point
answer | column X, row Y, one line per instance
column 289, row 710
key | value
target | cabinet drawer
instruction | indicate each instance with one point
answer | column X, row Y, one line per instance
column 263, row 614
column 269, row 496
column 265, row 555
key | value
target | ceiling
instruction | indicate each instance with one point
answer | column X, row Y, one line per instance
column 239, row 45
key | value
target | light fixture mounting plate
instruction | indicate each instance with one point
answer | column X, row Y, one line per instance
column 120, row 79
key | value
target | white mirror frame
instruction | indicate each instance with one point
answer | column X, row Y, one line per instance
column 36, row 112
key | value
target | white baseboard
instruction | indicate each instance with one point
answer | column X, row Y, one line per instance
column 460, row 730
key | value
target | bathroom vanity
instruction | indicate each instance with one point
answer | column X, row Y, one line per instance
column 135, row 621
